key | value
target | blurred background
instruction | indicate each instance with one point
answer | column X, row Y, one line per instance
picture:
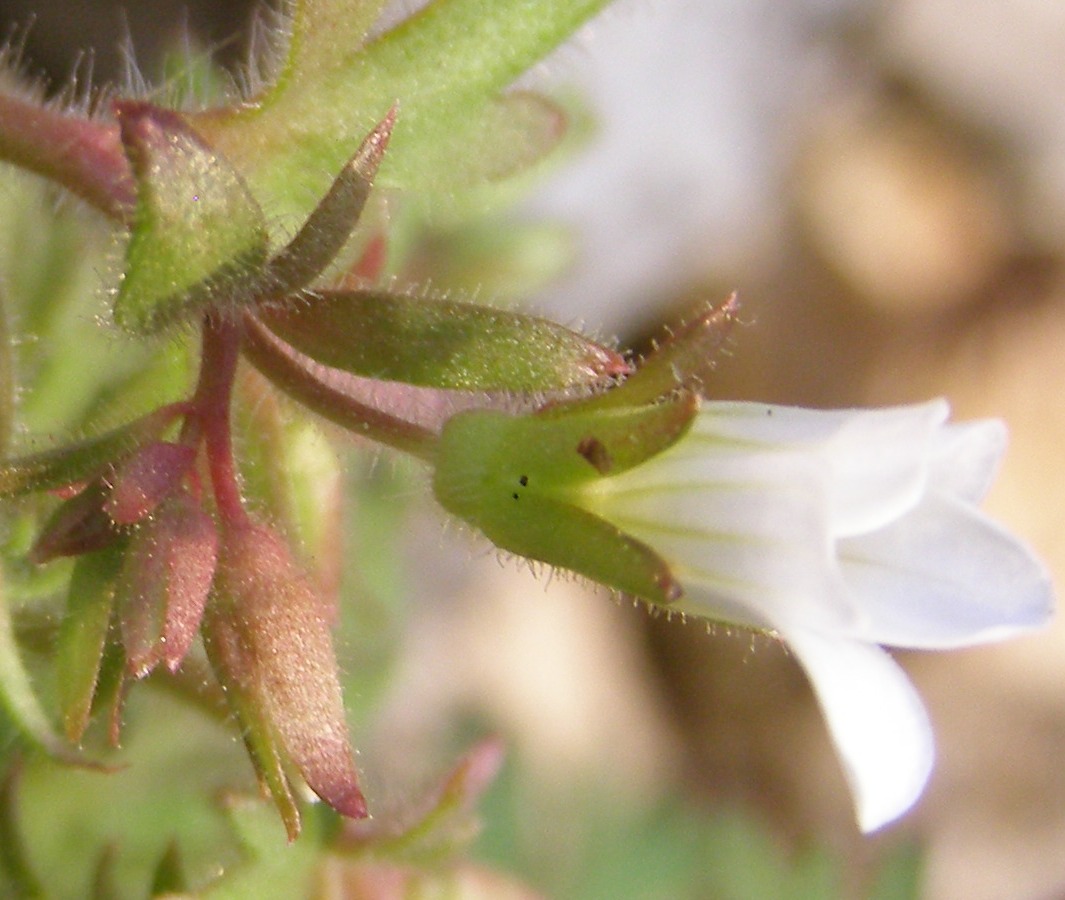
column 884, row 184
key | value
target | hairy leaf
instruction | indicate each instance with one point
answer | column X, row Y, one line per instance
column 83, row 636
column 441, row 343
column 446, row 66
column 198, row 235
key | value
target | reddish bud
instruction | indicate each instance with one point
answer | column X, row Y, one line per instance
column 164, row 585
column 78, row 526
column 148, row 476
column 271, row 647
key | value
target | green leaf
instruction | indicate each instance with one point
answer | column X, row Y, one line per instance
column 83, row 636
column 18, row 699
column 439, row 343
column 198, row 235
column 73, row 463
column 446, row 65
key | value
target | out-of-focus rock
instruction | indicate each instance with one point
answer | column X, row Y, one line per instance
column 900, row 210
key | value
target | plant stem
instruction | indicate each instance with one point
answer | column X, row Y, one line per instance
column 218, row 368
column 83, row 155
column 295, row 375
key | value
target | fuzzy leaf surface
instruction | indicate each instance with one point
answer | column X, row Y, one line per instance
column 439, row 344
column 198, row 234
column 83, row 636
column 69, row 464
column 446, row 65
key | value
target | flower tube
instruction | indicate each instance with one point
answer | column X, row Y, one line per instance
column 836, row 531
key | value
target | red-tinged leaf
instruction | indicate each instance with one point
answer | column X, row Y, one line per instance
column 82, row 638
column 79, row 525
column 164, row 585
column 198, row 236
column 145, row 478
column 473, row 776
column 276, row 645
column 447, row 824
column 83, row 460
column 439, row 343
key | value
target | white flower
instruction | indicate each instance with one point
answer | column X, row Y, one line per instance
column 840, row 531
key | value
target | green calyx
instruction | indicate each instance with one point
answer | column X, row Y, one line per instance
column 520, row 480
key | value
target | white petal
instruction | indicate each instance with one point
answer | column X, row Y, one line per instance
column 945, row 576
column 966, row 458
column 747, row 533
column 877, row 721
column 876, row 460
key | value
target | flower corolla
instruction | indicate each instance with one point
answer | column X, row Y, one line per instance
column 840, row 532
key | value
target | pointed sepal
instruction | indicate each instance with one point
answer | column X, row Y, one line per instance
column 78, row 525
column 331, row 223
column 678, row 363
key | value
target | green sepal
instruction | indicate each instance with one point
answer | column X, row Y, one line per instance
column 82, row 636
column 439, row 343
column 333, row 220
column 678, row 363
column 80, row 461
column 519, row 479
column 557, row 450
column 198, row 235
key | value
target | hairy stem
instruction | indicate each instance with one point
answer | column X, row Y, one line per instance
column 83, row 155
column 295, row 375
column 218, row 368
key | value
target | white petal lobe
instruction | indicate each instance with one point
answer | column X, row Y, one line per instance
column 877, row 722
